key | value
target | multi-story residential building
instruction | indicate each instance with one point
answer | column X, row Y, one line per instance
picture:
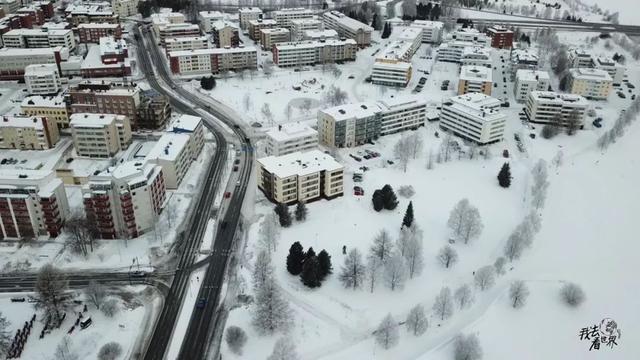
column 171, row 30
column 207, row 61
column 77, row 14
column 172, row 153
column 124, row 202
column 474, row 117
column 192, row 125
column 38, row 38
column 54, row 108
column 285, row 17
column 580, row 58
column 528, row 81
column 476, row 56
column 28, row 132
column 348, row 27
column 208, row 18
column 10, row 6
column 248, row 14
column 105, row 98
column 300, row 177
column 547, row 107
column 154, row 111
column 110, row 58
column 393, row 66
column 99, row 135
column 591, row 83
column 33, row 203
column 431, row 30
column 42, row 79
column 268, row 37
column 475, row 79
column 125, row 8
column 299, row 26
column 470, row 35
column 91, row 32
column 355, row 124
column 256, row 25
column 35, row 13
column 522, row 59
column 413, row 36
column 318, row 35
column 615, row 70
column 308, row 52
column 165, row 17
column 186, row 43
column 501, row 37
column 291, row 137
column 225, row 34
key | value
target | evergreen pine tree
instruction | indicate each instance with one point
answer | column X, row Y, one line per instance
column 310, row 275
column 389, row 197
column 284, row 216
column 301, row 211
column 378, row 200
column 295, row 258
column 374, row 22
column 386, row 31
column 325, row 264
column 408, row 216
column 504, row 176
column 309, row 254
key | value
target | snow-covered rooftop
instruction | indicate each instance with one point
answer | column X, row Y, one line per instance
column 523, row 55
column 92, row 120
column 221, row 24
column 40, row 69
column 392, row 65
column 275, row 31
column 168, row 147
column 98, row 26
column 187, row 123
column 590, row 74
column 410, row 34
column 263, row 21
column 184, row 39
column 478, row 105
column 346, row 21
column 250, row 10
column 476, row 51
column 551, row 96
column 395, row 50
column 211, row 14
column 401, row 102
column 22, row 121
column 427, row 24
column 475, row 73
column 309, row 44
column 532, row 75
column 320, row 34
column 36, row 32
column 211, row 51
column 30, row 51
column 290, row 131
column 352, row 111
column 299, row 163
column 110, row 45
column 44, row 101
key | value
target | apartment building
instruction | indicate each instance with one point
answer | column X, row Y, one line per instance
column 26, row 132
column 91, row 32
column 299, row 26
column 166, row 17
column 42, row 79
column 105, row 98
column 289, row 138
column 580, row 58
column 171, row 30
column 319, row 35
column 470, row 35
column 348, row 27
column 411, row 36
column 99, row 135
column 256, row 25
column 475, row 79
column 125, row 8
column 528, row 81
column 358, row 123
column 615, row 70
column 208, row 18
column 10, row 6
column 474, row 117
column 522, row 59
column 124, row 202
column 225, row 34
column 547, row 107
column 154, row 111
column 268, row 37
column 38, row 38
column 110, row 58
column 300, row 53
column 207, row 61
column 300, row 177
column 172, row 153
column 501, row 37
column 431, row 30
column 248, row 14
column 33, row 203
column 591, row 83
column 452, row 50
column 393, row 66
column 53, row 108
column 13, row 60
column 84, row 13
column 285, row 17
column 186, row 43
column 476, row 56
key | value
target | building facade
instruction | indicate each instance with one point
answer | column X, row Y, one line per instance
column 225, row 34
column 268, row 37
column 348, row 27
column 299, row 26
column 125, row 8
column 476, row 56
column 501, row 37
column 547, row 107
column 13, row 61
column 431, row 30
column 615, row 70
column 192, row 125
column 528, row 81
column 309, row 52
column 91, row 32
column 248, row 14
column 99, row 136
column 284, row 17
column 208, row 61
column 186, row 43
column 172, row 153
column 475, row 79
column 289, row 138
column 105, row 98
column 25, row 132
column 256, row 25
column 208, row 18
column 591, row 83
column 154, row 111
column 474, row 117
column 38, row 38
column 54, row 108
column 42, row 79
column 580, row 58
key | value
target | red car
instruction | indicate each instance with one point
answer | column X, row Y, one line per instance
column 358, row 191
column 227, row 194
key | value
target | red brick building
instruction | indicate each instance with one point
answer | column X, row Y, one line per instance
column 91, row 33
column 501, row 37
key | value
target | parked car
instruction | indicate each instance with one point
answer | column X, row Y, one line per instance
column 358, row 191
column 597, row 124
column 356, row 158
column 621, row 95
column 227, row 194
column 237, row 161
column 235, row 168
column 201, row 303
column 505, row 153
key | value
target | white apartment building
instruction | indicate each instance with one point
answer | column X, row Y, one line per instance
column 348, row 27
column 475, row 79
column 167, row 31
column 268, row 37
column 38, row 38
column 308, row 52
column 13, row 61
column 25, row 132
column 299, row 26
column 474, row 117
column 99, row 135
column 165, row 17
column 528, row 81
column 591, row 83
column 470, row 35
column 125, row 8
column 401, row 114
column 431, row 30
column 391, row 73
column 285, row 17
column 615, row 70
column 191, row 125
column 452, row 50
column 186, row 43
column 289, row 138
column 256, row 25
column 300, row 177
column 318, row 35
column 54, row 108
column 173, row 153
column 476, row 56
column 248, row 14
column 412, row 36
column 522, row 59
column 580, row 58
column 547, row 107
column 33, row 203
column 208, row 18
column 42, row 79
column 125, row 201
column 213, row 60
column 225, row 34
column 10, row 6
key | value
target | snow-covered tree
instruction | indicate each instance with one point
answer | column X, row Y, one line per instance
column 518, row 293
column 416, row 322
column 447, row 256
column 110, row 307
column 96, row 293
column 5, row 335
column 271, row 311
column 50, row 292
column 514, row 246
column 395, row 272
column 387, row 333
column 353, row 271
column 464, row 296
column 572, row 294
column 269, row 232
column 540, row 184
column 485, row 277
column 284, row 349
column 401, row 151
column 63, row 350
column 262, row 269
column 382, row 246
column 110, row 351
column 373, row 272
column 414, row 254
column 301, row 211
column 443, row 305
column 465, row 221
column 235, row 338
column 499, row 265
column 467, row 348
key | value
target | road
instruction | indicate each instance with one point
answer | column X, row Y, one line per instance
column 27, row 282
column 200, row 330
column 563, row 25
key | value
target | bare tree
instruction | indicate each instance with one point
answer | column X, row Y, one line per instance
column 406, row 191
column 271, row 311
column 387, row 333
column 415, row 144
column 402, row 152
column 110, row 307
column 50, row 293
column 306, row 106
column 464, row 296
column 335, row 96
column 269, row 232
column 485, row 277
column 443, row 306
column 262, row 269
column 96, row 293
column 518, row 293
column 81, row 234
column 430, row 160
column 266, row 113
column 414, row 254
column 382, row 246
column 353, row 271
column 447, row 256
column 63, row 350
column 373, row 271
column 416, row 322
column 171, row 213
column 465, row 221
column 110, row 351
column 247, row 103
column 499, row 265
column 467, row 348
column 267, row 68
column 235, row 338
column 514, row 247
column 5, row 335
column 572, row 294
column 288, row 112
column 284, row 349
column 395, row 272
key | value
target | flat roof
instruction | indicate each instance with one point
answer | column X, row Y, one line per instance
column 396, row 65
column 532, row 75
column 23, row 121
column 475, row 73
column 479, row 105
column 92, row 119
column 352, row 24
column 210, row 51
column 263, row 21
column 410, row 33
column 40, row 69
column 320, row 34
column 313, row 43
column 590, row 74
column 185, row 39
column 551, row 96
column 186, row 122
column 476, row 50
column 399, row 102
column 395, row 50
column 43, row 101
column 29, row 52
column 97, row 26
column 34, row 32
column 168, row 146
column 250, row 10
column 299, row 163
column 289, row 131
column 275, row 31
column 352, row 111
column 428, row 24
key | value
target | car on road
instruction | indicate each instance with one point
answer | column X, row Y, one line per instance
column 351, row 77
column 597, row 124
column 227, row 194
column 358, row 191
column 201, row 303
column 621, row 95
column 235, row 169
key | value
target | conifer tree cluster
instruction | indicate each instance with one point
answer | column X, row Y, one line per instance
column 311, row 268
column 384, row 198
column 504, row 176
